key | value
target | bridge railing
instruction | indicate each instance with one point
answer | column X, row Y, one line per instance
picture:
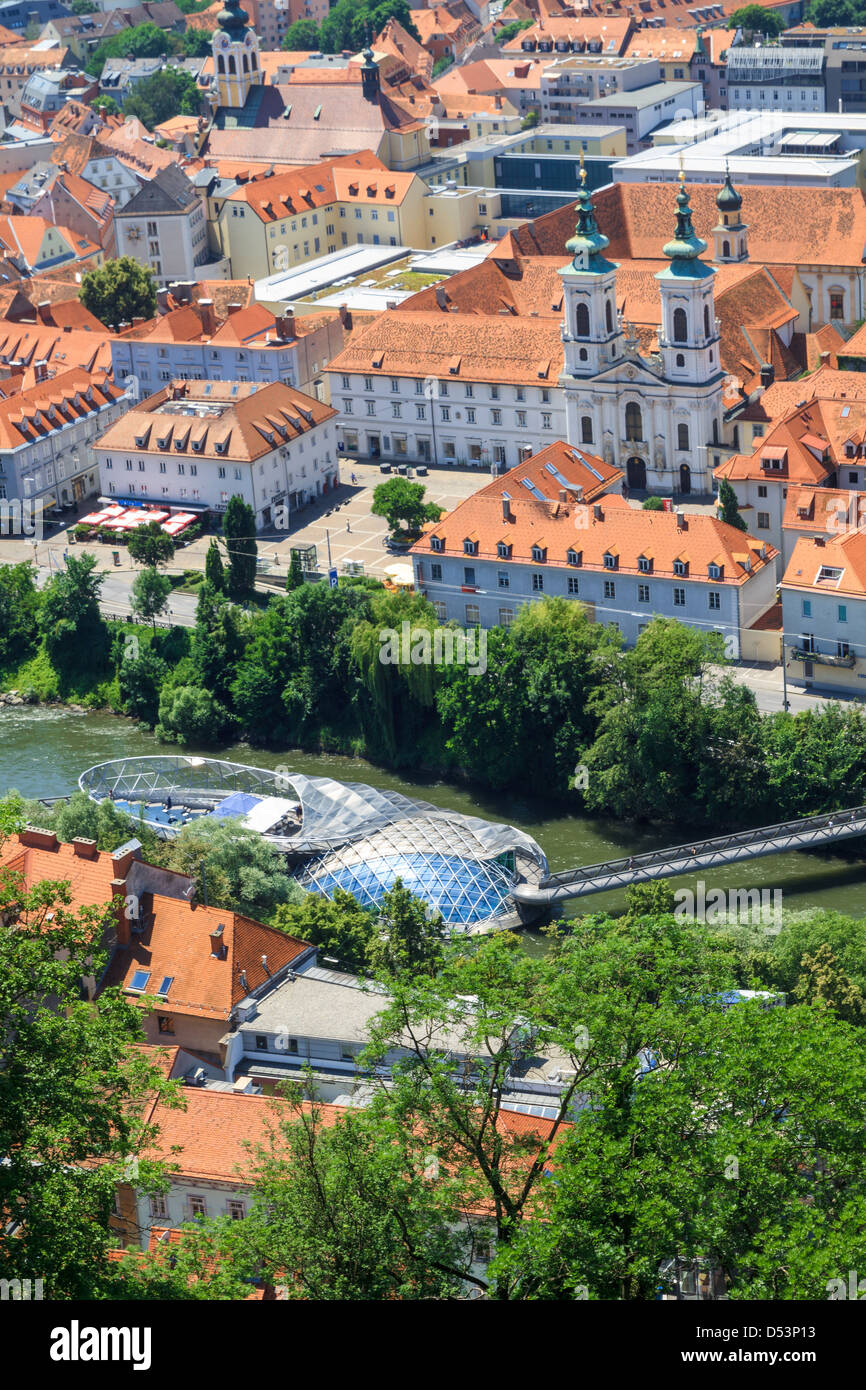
column 700, row 848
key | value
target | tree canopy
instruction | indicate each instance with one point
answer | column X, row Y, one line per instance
column 754, row 19
column 399, row 500
column 119, row 291
column 150, row 545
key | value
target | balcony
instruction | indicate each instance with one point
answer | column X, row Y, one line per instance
column 823, row 658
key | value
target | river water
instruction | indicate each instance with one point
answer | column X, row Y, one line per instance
column 43, row 751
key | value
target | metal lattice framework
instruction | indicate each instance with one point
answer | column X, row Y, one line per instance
column 351, row 835
column 685, row 859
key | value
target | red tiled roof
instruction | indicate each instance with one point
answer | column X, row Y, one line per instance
column 176, row 943
column 618, row 529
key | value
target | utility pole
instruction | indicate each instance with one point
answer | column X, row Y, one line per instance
column 784, row 675
column 328, row 539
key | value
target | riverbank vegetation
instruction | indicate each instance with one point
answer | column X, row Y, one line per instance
column 555, row 707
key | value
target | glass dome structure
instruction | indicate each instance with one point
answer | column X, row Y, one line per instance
column 340, row 834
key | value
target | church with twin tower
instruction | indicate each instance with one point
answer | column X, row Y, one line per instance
column 235, row 50
column 657, row 416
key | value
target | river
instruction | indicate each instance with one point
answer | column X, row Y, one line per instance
column 44, row 750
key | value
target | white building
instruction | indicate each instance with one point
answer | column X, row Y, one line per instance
column 201, row 443
column 164, row 227
column 655, row 416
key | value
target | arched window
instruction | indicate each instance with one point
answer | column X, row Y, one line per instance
column 583, row 355
column 254, row 62
column 682, row 436
column 232, row 69
column 586, row 429
column 715, row 431
column 608, row 316
column 706, row 320
column 246, row 63
column 221, row 63
column 726, row 248
column 582, row 321
column 681, row 326
column 633, row 421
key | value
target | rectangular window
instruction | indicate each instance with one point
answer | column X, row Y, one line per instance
column 436, row 573
column 679, row 598
column 537, row 582
column 842, row 612
column 197, row 1206
column 807, row 608
column 609, row 589
column 473, row 614
column 572, row 584
column 763, row 521
column 762, row 489
column 506, row 617
column 715, row 599
column 469, row 576
column 504, row 581
column 643, row 593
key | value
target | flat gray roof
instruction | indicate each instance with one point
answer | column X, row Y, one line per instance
column 645, row 96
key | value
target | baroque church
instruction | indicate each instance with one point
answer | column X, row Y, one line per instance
column 658, row 415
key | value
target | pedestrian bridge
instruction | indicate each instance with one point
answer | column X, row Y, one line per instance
column 808, row 833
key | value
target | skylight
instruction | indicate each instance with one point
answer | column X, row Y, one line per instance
column 167, row 982
column 139, row 980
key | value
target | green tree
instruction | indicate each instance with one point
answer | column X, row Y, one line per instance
column 239, row 532
column 729, row 507
column 166, row 93
column 139, row 680
column 302, row 36
column 19, row 612
column 214, row 571
column 84, row 6
column 400, row 500
column 754, row 19
column 653, row 504
column 189, row 715
column 510, row 31
column 832, row 13
column 143, row 41
column 340, row 927
column 150, row 545
column 119, row 291
column 233, row 867
column 409, row 936
column 295, row 576
column 106, row 104
column 76, row 637
column 75, row 1088
column 150, row 594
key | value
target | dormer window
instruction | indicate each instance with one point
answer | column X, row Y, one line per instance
column 610, row 561
column 574, row 556
column 714, row 571
column 681, row 567
column 470, row 547
column 503, row 550
column 539, row 554
column 644, row 564
column 850, row 450
column 437, row 543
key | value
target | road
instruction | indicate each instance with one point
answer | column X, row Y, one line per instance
column 766, row 684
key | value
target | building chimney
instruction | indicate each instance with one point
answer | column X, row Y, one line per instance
column 345, row 316
column 235, row 308
column 823, row 358
column 208, row 317
column 123, row 858
column 218, row 948
column 43, row 311
column 682, row 524
column 597, row 512
column 40, row 369
column 819, row 540
column 506, row 509
column 122, row 916
column 85, row 849
column 563, row 495
column 37, row 839
column 286, row 325
column 768, row 374
column 441, row 297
